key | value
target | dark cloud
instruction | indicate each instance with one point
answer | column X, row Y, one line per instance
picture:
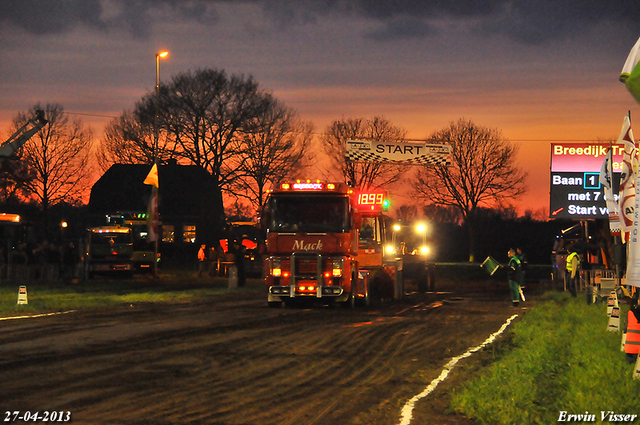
column 402, row 27
column 385, row 9
column 47, row 17
column 540, row 22
column 525, row 21
column 44, row 17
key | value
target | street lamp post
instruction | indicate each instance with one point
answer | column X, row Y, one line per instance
column 158, row 56
column 155, row 154
column 157, row 102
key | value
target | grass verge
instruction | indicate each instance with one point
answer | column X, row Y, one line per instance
column 171, row 288
column 560, row 358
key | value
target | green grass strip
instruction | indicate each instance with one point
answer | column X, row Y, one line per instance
column 560, row 358
column 45, row 298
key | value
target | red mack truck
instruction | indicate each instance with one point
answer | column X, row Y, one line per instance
column 312, row 243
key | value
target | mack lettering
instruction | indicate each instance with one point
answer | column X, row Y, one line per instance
column 300, row 245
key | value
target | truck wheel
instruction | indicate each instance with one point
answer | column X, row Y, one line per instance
column 354, row 289
column 381, row 286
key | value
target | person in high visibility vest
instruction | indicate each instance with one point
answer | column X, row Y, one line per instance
column 573, row 266
column 514, row 273
column 632, row 342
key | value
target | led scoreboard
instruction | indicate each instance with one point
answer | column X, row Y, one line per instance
column 373, row 201
column 575, row 190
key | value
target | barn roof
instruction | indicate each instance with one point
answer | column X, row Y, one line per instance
column 183, row 190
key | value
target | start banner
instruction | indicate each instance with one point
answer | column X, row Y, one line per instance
column 397, row 152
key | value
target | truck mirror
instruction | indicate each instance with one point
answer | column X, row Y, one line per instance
column 357, row 220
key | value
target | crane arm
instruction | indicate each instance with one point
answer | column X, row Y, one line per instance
column 23, row 134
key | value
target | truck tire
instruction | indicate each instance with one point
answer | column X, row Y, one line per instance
column 368, row 295
column 354, row 289
column 381, row 286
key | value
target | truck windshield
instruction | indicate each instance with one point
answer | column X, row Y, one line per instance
column 311, row 214
column 110, row 238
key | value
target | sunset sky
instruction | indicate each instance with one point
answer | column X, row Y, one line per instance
column 540, row 71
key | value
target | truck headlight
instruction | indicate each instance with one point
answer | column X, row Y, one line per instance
column 276, row 270
column 337, row 268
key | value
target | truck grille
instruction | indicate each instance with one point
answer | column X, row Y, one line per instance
column 306, row 265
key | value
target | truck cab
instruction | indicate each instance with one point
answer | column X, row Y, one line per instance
column 109, row 250
column 378, row 267
column 311, row 233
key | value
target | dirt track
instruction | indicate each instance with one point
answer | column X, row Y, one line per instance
column 238, row 362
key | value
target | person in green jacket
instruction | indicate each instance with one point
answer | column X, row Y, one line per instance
column 514, row 273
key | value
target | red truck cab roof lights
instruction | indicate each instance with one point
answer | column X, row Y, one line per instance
column 309, row 185
column 110, row 229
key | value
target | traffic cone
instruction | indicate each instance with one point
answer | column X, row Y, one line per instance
column 22, row 295
column 636, row 371
column 614, row 320
column 612, row 302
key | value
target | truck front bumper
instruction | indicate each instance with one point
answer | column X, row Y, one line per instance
column 282, row 293
column 110, row 267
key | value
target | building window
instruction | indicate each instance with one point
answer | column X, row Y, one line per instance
column 168, row 233
column 189, row 234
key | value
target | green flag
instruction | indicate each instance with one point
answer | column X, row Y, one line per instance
column 630, row 74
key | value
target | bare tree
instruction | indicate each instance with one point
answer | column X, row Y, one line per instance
column 365, row 175
column 205, row 118
column 57, row 158
column 407, row 213
column 14, row 173
column 128, row 139
column 438, row 214
column 277, row 147
column 483, row 173
column 240, row 212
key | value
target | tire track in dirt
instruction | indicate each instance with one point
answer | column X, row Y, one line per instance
column 233, row 363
